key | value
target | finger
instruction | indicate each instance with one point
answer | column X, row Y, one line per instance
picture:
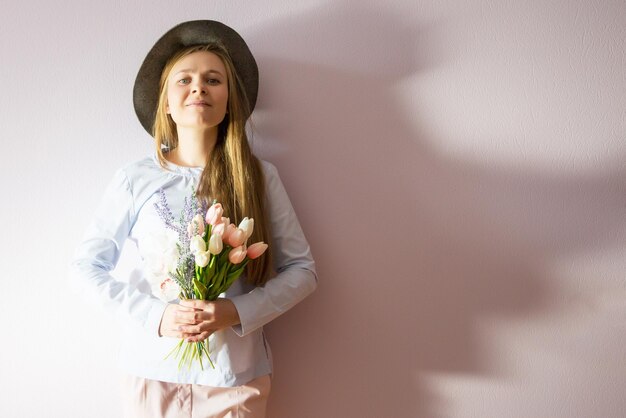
column 181, row 308
column 190, row 317
column 200, row 337
column 190, row 330
column 175, row 333
column 180, row 320
column 203, row 336
column 194, row 303
column 197, row 329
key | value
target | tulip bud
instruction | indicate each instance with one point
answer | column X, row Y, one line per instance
column 218, row 229
column 202, row 258
column 197, row 244
column 247, row 225
column 237, row 255
column 237, row 237
column 215, row 244
column 230, row 228
column 196, row 226
column 256, row 250
column 214, row 214
column 199, row 223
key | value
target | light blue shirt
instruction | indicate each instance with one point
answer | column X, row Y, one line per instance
column 127, row 213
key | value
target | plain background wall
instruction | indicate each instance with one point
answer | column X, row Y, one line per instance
column 458, row 167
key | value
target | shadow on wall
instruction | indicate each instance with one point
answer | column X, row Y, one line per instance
column 412, row 249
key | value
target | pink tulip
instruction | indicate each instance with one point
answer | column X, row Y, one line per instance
column 218, row 229
column 256, row 250
column 230, row 228
column 196, row 226
column 236, row 237
column 220, row 226
column 237, row 255
column 214, row 214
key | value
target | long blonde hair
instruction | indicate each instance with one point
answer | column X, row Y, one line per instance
column 233, row 175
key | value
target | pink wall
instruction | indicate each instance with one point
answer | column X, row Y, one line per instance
column 458, row 167
column 459, row 176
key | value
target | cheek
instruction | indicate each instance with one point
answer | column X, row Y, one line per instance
column 170, row 97
column 167, row 102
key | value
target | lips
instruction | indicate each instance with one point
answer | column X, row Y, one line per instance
column 198, row 103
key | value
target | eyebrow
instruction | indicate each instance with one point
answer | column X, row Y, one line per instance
column 188, row 70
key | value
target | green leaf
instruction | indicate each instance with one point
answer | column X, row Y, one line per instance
column 237, row 272
column 211, row 267
column 200, row 289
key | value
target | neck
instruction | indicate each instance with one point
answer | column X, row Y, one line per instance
column 194, row 147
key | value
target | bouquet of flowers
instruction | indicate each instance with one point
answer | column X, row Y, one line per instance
column 199, row 258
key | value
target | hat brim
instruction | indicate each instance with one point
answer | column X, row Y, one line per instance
column 196, row 32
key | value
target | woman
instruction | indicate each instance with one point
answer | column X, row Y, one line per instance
column 193, row 94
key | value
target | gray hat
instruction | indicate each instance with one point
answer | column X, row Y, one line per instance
column 196, row 32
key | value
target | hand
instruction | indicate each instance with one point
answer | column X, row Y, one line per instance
column 171, row 321
column 200, row 318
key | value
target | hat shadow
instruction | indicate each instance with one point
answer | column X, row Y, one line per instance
column 414, row 249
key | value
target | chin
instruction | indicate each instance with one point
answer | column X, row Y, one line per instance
column 198, row 123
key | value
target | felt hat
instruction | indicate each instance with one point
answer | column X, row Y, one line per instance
column 196, row 32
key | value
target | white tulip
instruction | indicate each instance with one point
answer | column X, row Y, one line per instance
column 197, row 244
column 247, row 225
column 202, row 258
column 215, row 244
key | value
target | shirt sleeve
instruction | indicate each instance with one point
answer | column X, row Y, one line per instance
column 99, row 253
column 296, row 276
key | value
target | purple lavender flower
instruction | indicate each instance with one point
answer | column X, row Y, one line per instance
column 163, row 209
column 191, row 207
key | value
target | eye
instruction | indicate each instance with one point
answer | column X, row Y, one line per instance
column 183, row 81
column 213, row 81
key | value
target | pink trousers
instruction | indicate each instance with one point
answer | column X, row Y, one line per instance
column 144, row 398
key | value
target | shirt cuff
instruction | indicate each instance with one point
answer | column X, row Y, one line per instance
column 153, row 320
column 263, row 304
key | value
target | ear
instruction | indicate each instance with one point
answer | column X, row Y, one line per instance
column 167, row 108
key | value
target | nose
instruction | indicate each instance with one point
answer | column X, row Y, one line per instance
column 198, row 87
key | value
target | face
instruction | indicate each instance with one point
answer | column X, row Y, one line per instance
column 197, row 91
